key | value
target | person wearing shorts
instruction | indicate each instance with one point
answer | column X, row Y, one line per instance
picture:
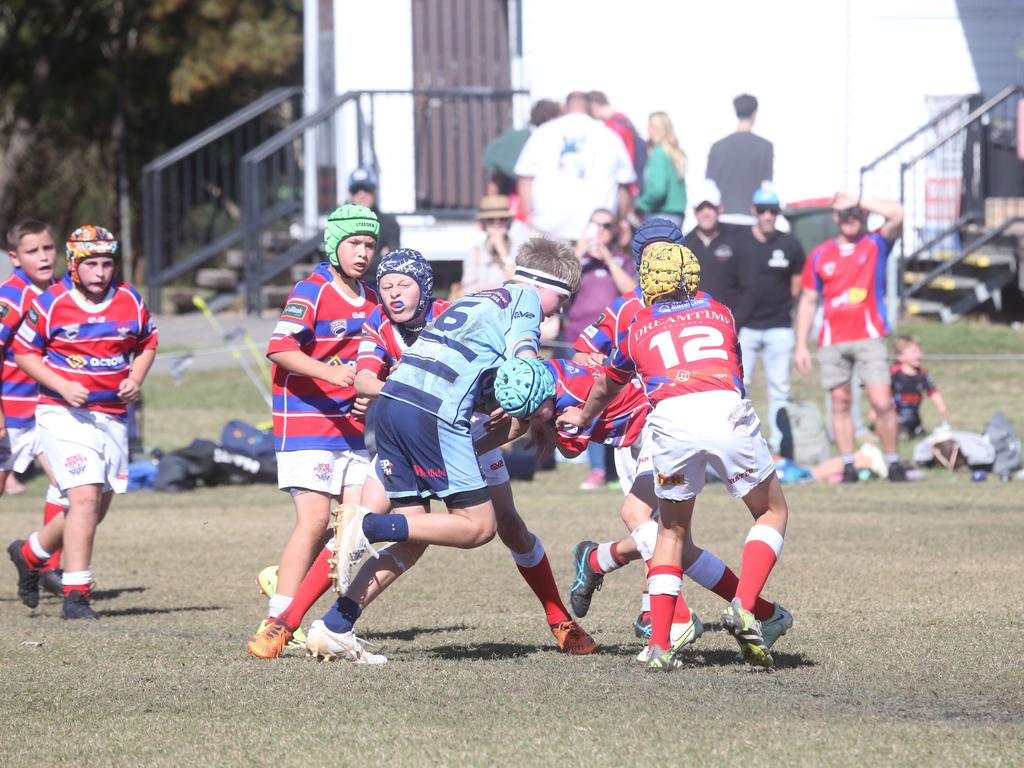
column 33, row 255
column 848, row 274
column 89, row 341
column 686, row 352
column 318, row 420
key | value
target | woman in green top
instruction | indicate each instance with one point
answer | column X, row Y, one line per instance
column 664, row 183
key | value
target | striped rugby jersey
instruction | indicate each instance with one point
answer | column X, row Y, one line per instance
column 321, row 322
column 618, row 425
column 19, row 392
column 382, row 345
column 442, row 372
column 92, row 344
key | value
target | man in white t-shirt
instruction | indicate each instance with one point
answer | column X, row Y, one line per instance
column 570, row 167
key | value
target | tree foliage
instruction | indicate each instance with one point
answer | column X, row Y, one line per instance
column 173, row 66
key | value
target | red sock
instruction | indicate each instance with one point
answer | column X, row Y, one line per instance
column 758, row 561
column 663, row 600
column 32, row 560
column 542, row 582
column 50, row 511
column 681, row 614
column 85, row 589
column 316, row 581
column 726, row 589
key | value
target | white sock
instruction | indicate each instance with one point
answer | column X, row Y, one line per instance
column 36, row 547
column 277, row 604
column 76, row 578
column 605, row 560
column 645, row 602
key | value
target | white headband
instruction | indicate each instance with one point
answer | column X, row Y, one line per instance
column 542, row 280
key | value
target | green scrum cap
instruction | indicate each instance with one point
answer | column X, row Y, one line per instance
column 346, row 221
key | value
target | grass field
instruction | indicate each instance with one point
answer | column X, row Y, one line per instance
column 906, row 599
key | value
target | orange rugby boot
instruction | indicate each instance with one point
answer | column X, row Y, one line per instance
column 573, row 639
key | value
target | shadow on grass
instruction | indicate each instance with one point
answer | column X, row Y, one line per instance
column 411, row 633
column 727, row 658
column 110, row 594
column 153, row 611
column 487, row 651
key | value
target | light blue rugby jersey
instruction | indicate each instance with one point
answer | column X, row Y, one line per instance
column 441, row 372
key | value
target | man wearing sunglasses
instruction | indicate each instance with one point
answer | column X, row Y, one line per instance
column 848, row 274
column 769, row 266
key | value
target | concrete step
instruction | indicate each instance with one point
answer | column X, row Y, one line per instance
column 921, row 307
column 943, row 282
column 217, row 279
column 275, row 296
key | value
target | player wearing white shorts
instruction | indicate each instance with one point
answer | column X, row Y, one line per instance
column 89, row 341
column 686, row 352
column 318, row 420
column 33, row 255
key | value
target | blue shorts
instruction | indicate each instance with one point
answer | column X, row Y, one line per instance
column 419, row 455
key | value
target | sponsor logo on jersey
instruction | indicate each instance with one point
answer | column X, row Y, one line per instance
column 498, row 464
column 97, row 319
column 123, row 331
column 517, row 315
column 499, row 296
column 71, row 331
column 683, row 376
column 4, row 310
column 829, row 268
column 294, row 309
column 77, row 361
column 338, row 327
column 114, row 361
column 33, row 316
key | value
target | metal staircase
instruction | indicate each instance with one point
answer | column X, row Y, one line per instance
column 959, row 180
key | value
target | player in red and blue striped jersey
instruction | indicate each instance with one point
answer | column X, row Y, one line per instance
column 33, row 254
column 89, row 341
column 318, row 421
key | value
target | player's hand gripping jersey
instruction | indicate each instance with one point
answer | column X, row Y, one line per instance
column 442, row 372
column 679, row 348
column 851, row 280
column 621, row 422
column 91, row 344
column 383, row 342
column 20, row 392
column 311, row 414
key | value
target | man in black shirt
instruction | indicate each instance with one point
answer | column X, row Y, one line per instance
column 739, row 162
column 769, row 264
column 713, row 243
column 362, row 189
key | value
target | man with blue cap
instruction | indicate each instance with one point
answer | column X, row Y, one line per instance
column 770, row 263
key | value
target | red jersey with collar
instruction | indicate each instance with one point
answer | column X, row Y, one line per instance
column 851, row 280
column 679, row 348
column 92, row 344
column 382, row 345
column 321, row 322
column 619, row 424
column 19, row 392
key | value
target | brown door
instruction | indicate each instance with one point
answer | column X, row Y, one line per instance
column 457, row 44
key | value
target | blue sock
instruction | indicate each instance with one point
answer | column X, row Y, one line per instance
column 341, row 616
column 390, row 527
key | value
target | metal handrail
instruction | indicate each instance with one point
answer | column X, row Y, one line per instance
column 224, row 127
column 954, row 228
column 978, row 244
column 988, row 106
column 930, row 124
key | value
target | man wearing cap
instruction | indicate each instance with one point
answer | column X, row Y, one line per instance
column 769, row 265
column 362, row 189
column 848, row 274
column 714, row 245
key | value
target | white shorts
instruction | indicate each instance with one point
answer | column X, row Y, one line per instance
column 492, row 463
column 633, row 461
column 18, row 447
column 84, row 447
column 321, row 470
column 717, row 428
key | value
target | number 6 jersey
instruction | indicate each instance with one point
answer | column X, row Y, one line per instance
column 679, row 348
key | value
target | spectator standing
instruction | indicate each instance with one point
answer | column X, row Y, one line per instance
column 769, row 264
column 635, row 145
column 501, row 154
column 570, row 167
column 664, row 188
column 362, row 190
column 606, row 272
column 714, row 245
column 739, row 163
column 848, row 274
column 490, row 263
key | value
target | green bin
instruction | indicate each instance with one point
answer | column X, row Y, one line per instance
column 811, row 223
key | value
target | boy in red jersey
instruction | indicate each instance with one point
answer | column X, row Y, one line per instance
column 33, row 254
column 318, row 422
column 89, row 341
column 686, row 352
